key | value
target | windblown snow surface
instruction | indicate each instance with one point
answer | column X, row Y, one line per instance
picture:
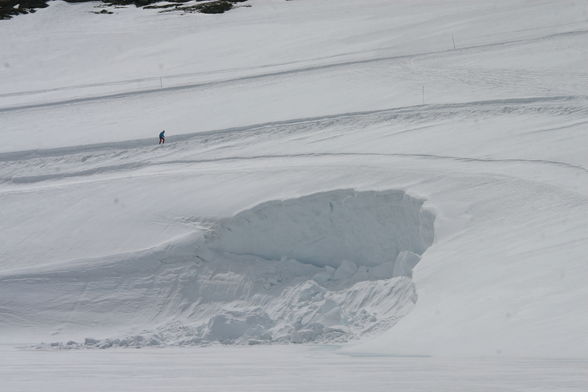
column 400, row 177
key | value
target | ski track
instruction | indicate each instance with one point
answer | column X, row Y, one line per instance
column 141, row 153
column 217, row 83
column 418, row 112
column 132, row 166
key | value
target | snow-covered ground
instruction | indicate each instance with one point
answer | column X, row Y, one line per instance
column 317, row 151
column 278, row 369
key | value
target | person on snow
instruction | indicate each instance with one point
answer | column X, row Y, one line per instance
column 162, row 137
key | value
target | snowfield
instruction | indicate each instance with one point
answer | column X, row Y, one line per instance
column 406, row 179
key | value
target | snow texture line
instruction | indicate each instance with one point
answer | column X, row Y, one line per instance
column 131, row 166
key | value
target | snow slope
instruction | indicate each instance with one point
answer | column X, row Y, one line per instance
column 317, row 151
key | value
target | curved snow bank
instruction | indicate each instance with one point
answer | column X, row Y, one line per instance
column 321, row 268
column 325, row 229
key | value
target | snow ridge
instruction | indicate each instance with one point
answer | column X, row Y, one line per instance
column 327, row 267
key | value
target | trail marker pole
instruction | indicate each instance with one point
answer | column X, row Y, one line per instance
column 453, row 39
column 160, row 75
column 423, row 95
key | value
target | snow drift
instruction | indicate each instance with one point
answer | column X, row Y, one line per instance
column 365, row 228
column 326, row 267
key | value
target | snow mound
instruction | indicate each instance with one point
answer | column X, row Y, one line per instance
column 327, row 267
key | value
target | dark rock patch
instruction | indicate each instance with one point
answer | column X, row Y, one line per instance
column 10, row 8
column 210, row 7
